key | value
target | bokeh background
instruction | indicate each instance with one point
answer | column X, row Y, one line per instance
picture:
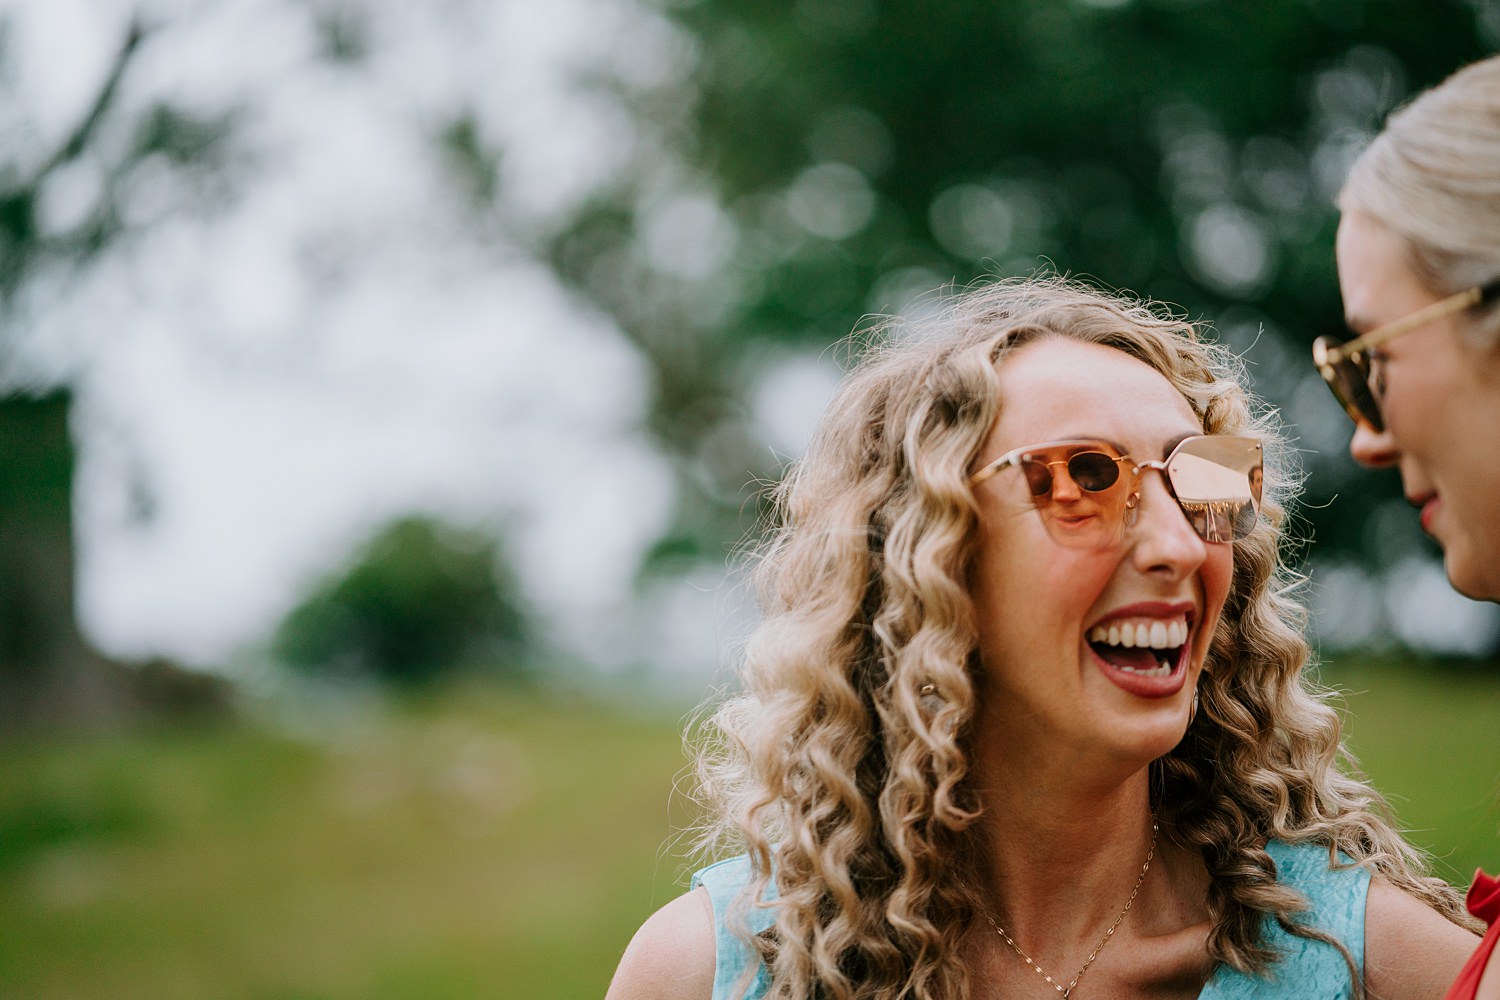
column 387, row 389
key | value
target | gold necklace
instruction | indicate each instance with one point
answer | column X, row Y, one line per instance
column 1068, row 989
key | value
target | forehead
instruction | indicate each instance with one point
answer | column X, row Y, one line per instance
column 1058, row 389
column 1364, row 246
column 1375, row 276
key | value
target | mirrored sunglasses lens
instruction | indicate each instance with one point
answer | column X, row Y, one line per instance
column 1218, row 482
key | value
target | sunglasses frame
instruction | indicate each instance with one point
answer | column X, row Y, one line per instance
column 1351, row 356
column 1015, row 457
column 1087, row 447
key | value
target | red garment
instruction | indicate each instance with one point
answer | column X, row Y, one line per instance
column 1484, row 903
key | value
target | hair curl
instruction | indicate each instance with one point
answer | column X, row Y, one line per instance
column 837, row 765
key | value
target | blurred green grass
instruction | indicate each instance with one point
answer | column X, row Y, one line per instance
column 1429, row 739
column 474, row 843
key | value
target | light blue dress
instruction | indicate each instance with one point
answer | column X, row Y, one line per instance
column 1308, row 970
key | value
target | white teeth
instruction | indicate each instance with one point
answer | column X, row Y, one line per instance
column 1144, row 635
column 1162, row 669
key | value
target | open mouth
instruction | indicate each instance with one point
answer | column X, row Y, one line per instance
column 1147, row 648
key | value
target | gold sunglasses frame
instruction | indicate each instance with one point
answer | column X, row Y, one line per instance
column 1329, row 358
column 1189, row 508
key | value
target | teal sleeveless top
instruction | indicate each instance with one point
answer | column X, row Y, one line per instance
column 1308, row 970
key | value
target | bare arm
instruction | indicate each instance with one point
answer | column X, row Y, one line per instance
column 1489, row 983
column 1411, row 951
column 672, row 956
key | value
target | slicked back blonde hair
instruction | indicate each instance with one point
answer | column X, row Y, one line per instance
column 845, row 778
column 1432, row 177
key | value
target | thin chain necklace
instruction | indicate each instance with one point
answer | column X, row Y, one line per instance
column 1068, row 989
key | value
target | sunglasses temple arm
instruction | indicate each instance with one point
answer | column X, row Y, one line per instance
column 991, row 469
column 1444, row 307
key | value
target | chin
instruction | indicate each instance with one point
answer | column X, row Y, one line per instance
column 1476, row 590
column 1476, row 582
column 1171, row 742
column 1149, row 738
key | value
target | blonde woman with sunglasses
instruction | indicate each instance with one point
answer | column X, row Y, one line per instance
column 1419, row 266
column 1026, row 715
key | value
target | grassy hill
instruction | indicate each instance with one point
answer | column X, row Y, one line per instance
column 475, row 844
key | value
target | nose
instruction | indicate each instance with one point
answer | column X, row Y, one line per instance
column 1372, row 448
column 1164, row 541
column 1064, row 490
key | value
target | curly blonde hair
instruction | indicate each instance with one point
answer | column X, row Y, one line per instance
column 842, row 770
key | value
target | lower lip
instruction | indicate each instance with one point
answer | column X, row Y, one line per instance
column 1429, row 513
column 1141, row 685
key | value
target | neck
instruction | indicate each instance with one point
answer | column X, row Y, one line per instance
column 1059, row 855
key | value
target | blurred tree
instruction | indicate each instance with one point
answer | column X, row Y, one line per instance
column 45, row 665
column 62, row 207
column 423, row 600
column 48, row 672
column 828, row 159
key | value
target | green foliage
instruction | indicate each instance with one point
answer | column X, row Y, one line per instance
column 862, row 151
column 422, row 600
column 37, row 474
column 195, row 146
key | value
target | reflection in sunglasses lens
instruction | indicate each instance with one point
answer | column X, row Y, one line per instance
column 1093, row 471
column 1215, row 484
column 1038, row 476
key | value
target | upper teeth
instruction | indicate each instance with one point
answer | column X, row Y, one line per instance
column 1147, row 634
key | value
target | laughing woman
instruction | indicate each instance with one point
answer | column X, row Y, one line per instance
column 1026, row 716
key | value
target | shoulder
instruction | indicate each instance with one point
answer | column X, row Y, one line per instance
column 672, row 956
column 1336, row 898
column 1410, row 948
